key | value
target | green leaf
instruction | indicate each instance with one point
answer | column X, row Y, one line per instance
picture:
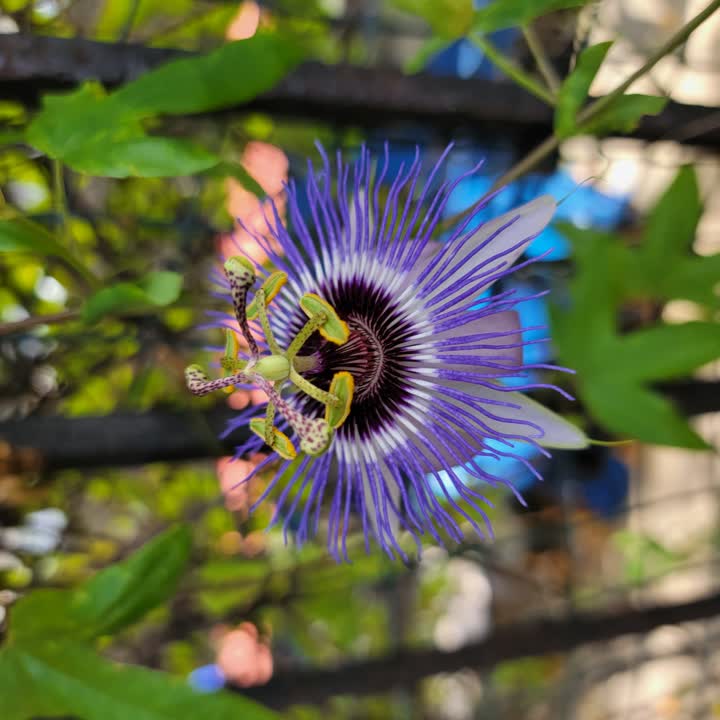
column 671, row 225
column 148, row 156
column 69, row 123
column 56, row 677
column 157, row 289
column 232, row 74
column 22, row 236
column 575, row 88
column 109, row 601
column 623, row 114
column 612, row 368
column 645, row 557
column 162, row 287
column 500, row 14
column 26, row 236
column 666, row 351
column 636, row 412
column 449, row 19
column 429, row 48
column 101, row 134
column 121, row 594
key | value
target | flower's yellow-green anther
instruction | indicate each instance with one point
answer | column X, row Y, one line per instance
column 272, row 286
column 273, row 367
column 342, row 388
column 281, row 443
column 316, row 435
column 333, row 329
column 240, row 269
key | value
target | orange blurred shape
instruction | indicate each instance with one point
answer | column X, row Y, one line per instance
column 243, row 658
column 245, row 23
column 230, row 543
column 269, row 166
column 254, row 544
column 231, row 474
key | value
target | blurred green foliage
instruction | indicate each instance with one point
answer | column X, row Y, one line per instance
column 616, row 370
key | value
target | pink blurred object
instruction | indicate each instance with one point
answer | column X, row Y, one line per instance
column 231, row 473
column 243, row 658
column 269, row 166
column 245, row 23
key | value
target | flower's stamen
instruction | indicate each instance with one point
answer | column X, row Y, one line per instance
column 265, row 322
column 241, row 276
column 313, row 391
column 314, row 323
column 269, row 422
column 315, row 433
column 269, row 371
column 258, row 307
column 200, row 384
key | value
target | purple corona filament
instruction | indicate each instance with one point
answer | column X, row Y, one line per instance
column 382, row 367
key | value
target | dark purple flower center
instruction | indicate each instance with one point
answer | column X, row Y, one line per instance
column 376, row 355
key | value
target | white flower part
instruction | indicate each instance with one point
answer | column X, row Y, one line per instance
column 511, row 233
column 557, row 432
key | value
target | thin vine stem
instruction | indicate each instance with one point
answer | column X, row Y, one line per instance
column 552, row 143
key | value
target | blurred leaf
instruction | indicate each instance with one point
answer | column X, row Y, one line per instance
column 645, row 557
column 60, row 677
column 27, row 236
column 112, row 599
column 575, row 88
column 634, row 411
column 103, row 135
column 671, row 224
column 232, row 74
column 68, row 123
column 121, row 594
column 12, row 137
column 666, row 351
column 23, row 236
column 449, row 19
column 147, row 156
column 157, row 289
column 500, row 14
column 162, row 287
column 429, row 48
column 43, row 613
column 612, row 368
column 624, row 114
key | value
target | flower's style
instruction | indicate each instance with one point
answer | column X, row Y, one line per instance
column 382, row 367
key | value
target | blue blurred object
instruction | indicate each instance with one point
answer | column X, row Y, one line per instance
column 606, row 491
column 464, row 59
column 207, row 679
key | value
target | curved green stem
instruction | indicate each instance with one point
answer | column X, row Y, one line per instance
column 312, row 390
column 265, row 323
column 551, row 143
column 541, row 59
column 513, row 71
column 303, row 336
